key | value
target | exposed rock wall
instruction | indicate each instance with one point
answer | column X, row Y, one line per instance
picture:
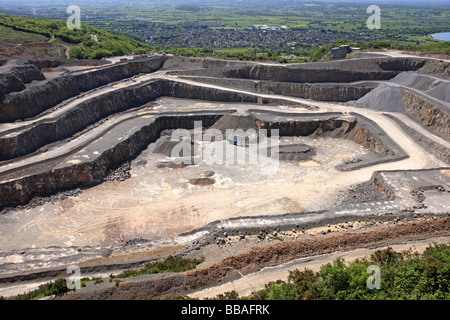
column 188, row 91
column 436, row 67
column 338, row 71
column 339, row 92
column 336, row 128
column 41, row 96
column 46, row 183
column 430, row 113
column 78, row 118
column 440, row 151
column 95, row 109
column 359, row 130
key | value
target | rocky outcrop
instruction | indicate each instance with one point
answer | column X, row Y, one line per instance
column 431, row 113
column 14, row 76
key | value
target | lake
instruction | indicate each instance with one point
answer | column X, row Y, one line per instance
column 442, row 36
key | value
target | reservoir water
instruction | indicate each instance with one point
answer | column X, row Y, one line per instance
column 442, row 36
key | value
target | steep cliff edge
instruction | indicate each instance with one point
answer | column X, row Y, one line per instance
column 339, row 92
column 45, row 94
column 29, row 138
column 336, row 71
column 431, row 113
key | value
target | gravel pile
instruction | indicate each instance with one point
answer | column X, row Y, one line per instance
column 437, row 88
column 388, row 98
column 165, row 145
column 383, row 98
column 235, row 122
column 364, row 192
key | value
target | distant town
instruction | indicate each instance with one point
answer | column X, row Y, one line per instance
column 276, row 38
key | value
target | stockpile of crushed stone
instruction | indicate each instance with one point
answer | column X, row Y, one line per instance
column 387, row 97
column 383, row 98
column 441, row 91
column 235, row 122
column 432, row 86
column 165, row 145
column 415, row 80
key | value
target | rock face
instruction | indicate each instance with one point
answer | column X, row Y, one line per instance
column 65, row 177
column 78, row 118
column 338, row 71
column 43, row 95
column 359, row 129
column 429, row 112
column 14, row 76
column 95, row 109
column 339, row 92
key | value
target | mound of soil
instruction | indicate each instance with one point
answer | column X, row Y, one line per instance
column 235, row 122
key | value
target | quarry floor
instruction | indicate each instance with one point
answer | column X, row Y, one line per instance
column 160, row 203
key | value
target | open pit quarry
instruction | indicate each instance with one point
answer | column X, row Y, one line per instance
column 88, row 176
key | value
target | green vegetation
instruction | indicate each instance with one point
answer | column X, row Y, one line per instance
column 404, row 275
column 57, row 288
column 170, row 264
column 83, row 40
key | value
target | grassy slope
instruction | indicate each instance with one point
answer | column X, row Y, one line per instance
column 35, row 29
